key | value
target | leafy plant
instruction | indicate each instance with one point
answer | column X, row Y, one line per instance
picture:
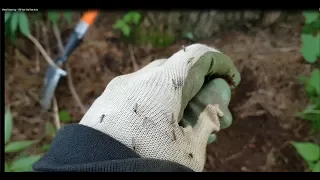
column 19, row 21
column 312, row 87
column 20, row 163
column 309, row 152
column 130, row 18
column 15, row 21
column 310, row 50
column 154, row 37
column 310, row 37
column 54, row 17
column 64, row 116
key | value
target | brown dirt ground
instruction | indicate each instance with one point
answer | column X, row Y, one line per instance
column 263, row 105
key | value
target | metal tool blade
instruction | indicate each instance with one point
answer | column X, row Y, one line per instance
column 51, row 81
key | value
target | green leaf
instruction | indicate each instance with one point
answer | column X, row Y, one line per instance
column 7, row 16
column 315, row 80
column 310, row 47
column 306, row 116
column 14, row 22
column 46, row 147
column 136, row 18
column 17, row 146
column 311, row 16
column 311, row 164
column 315, row 25
column 50, row 130
column 64, row 116
column 68, row 16
column 119, row 24
column 6, row 167
column 309, row 151
column 126, row 30
column 24, row 24
column 24, row 164
column 132, row 17
column 54, row 17
column 310, row 108
column 7, row 126
column 308, row 29
column 316, row 167
column 315, row 125
column 10, row 34
column 127, row 18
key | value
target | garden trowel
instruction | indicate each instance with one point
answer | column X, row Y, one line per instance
column 53, row 74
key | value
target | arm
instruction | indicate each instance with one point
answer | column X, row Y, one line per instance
column 83, row 149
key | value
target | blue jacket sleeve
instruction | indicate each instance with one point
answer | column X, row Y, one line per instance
column 78, row 148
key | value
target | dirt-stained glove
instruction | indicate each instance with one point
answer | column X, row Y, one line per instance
column 142, row 109
column 216, row 91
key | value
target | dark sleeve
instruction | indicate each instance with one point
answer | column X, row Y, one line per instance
column 80, row 148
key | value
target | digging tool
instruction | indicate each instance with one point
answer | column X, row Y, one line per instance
column 53, row 74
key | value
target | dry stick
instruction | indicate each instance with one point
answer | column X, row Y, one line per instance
column 36, row 49
column 151, row 17
column 42, row 51
column 56, row 118
column 73, row 91
column 56, row 33
column 69, row 77
column 56, row 113
column 133, row 59
column 45, row 36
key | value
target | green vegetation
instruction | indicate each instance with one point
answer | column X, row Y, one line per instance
column 154, row 37
column 16, row 149
column 310, row 50
column 64, row 116
column 20, row 22
column 128, row 25
column 129, row 19
column 21, row 161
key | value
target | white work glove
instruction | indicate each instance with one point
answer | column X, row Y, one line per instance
column 142, row 109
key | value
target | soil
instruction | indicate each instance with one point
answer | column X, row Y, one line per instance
column 263, row 105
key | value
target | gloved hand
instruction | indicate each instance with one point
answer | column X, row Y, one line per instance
column 142, row 109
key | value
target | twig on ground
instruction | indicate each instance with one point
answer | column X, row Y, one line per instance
column 36, row 49
column 34, row 96
column 45, row 36
column 133, row 59
column 211, row 161
column 56, row 113
column 21, row 57
column 57, row 34
column 43, row 52
column 240, row 153
column 151, row 17
column 233, row 156
column 69, row 76
column 73, row 91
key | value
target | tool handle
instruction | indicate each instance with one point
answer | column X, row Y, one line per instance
column 82, row 27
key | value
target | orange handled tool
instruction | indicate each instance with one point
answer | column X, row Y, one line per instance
column 82, row 27
column 53, row 74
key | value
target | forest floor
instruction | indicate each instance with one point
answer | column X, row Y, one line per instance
column 263, row 106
